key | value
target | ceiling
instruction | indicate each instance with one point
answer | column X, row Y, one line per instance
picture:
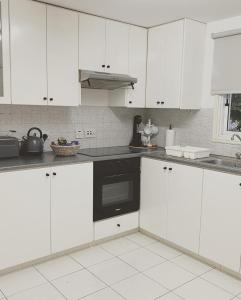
column 148, row 13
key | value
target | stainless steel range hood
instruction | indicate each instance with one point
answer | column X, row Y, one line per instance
column 105, row 81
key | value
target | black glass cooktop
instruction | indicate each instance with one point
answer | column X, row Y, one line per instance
column 109, row 151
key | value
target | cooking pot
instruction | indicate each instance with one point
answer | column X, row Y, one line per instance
column 33, row 143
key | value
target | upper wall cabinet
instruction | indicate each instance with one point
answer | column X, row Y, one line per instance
column 175, row 65
column 4, row 54
column 117, row 47
column 44, row 54
column 92, row 43
column 28, row 52
column 103, row 45
column 137, row 68
column 62, row 56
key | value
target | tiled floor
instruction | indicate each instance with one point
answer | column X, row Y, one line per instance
column 135, row 267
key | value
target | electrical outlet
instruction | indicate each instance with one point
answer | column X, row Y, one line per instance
column 90, row 133
column 79, row 134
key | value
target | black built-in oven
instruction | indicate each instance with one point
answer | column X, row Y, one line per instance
column 116, row 187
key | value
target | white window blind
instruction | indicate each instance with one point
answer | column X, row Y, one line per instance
column 226, row 75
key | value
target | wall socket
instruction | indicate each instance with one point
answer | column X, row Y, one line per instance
column 90, row 133
column 79, row 134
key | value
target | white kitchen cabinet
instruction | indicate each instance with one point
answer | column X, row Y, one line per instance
column 92, row 43
column 221, row 219
column 117, row 47
column 184, row 206
column 24, row 216
column 44, row 54
column 116, row 225
column 71, row 206
column 103, row 45
column 62, row 57
column 170, row 205
column 128, row 97
column 175, row 65
column 5, row 95
column 153, row 210
column 28, row 25
column 137, row 66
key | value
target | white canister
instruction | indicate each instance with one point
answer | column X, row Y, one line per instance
column 170, row 136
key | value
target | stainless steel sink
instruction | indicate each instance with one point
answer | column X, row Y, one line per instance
column 231, row 163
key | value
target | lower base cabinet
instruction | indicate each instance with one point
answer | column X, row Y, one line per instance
column 220, row 239
column 153, row 211
column 44, row 211
column 171, row 196
column 71, row 206
column 116, row 225
column 184, row 206
column 24, row 216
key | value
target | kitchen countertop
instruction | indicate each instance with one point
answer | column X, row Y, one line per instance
column 48, row 159
column 199, row 163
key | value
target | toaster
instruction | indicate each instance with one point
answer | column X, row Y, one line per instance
column 9, row 147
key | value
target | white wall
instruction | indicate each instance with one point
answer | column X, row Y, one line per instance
column 214, row 27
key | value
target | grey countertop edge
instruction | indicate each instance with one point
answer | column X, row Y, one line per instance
column 197, row 163
column 48, row 160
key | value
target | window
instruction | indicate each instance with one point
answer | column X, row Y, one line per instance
column 227, row 120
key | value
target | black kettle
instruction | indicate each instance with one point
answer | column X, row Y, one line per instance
column 33, row 144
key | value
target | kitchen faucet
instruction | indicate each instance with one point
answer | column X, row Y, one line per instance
column 238, row 154
column 235, row 135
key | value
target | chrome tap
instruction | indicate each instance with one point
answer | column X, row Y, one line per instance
column 235, row 135
column 238, row 154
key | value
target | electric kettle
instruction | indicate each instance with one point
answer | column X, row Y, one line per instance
column 33, row 143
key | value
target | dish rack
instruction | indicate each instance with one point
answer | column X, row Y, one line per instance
column 188, row 152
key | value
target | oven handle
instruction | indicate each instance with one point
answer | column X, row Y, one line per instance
column 116, row 175
column 133, row 174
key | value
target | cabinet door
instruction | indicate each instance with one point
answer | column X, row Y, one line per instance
column 153, row 211
column 5, row 97
column 137, row 66
column 117, row 43
column 28, row 52
column 71, row 206
column 184, row 206
column 92, row 43
column 62, row 56
column 24, row 216
column 164, row 65
column 221, row 219
column 155, row 85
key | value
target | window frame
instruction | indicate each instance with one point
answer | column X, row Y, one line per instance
column 219, row 134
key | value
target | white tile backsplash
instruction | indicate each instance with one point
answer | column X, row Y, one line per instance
column 192, row 128
column 113, row 125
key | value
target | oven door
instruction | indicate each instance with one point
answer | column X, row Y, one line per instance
column 116, row 195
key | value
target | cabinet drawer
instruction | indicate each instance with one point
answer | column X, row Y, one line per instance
column 116, row 225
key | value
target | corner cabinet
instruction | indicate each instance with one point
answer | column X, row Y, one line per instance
column 170, row 206
column 221, row 219
column 45, row 212
column 103, row 45
column 175, row 65
column 5, row 94
column 44, row 54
